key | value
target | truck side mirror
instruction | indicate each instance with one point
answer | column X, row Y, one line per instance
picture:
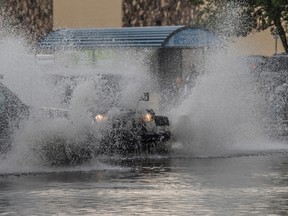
column 145, row 97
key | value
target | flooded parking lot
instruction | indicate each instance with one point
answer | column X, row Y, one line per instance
column 255, row 184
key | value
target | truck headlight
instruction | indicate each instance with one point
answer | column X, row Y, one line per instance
column 100, row 118
column 148, row 117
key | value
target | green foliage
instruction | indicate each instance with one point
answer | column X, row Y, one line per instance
column 2, row 3
column 240, row 17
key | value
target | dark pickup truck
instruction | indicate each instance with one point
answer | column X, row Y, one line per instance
column 122, row 129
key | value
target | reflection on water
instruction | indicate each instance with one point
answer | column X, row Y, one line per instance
column 248, row 185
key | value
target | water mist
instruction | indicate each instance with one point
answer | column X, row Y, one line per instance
column 29, row 78
column 225, row 111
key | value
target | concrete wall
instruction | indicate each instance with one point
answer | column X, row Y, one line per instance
column 87, row 13
column 257, row 43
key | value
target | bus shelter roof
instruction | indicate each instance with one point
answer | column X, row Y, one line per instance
column 127, row 37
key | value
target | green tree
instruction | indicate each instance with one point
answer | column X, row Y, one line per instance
column 243, row 16
column 1, row 3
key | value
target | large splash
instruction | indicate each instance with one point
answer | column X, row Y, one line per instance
column 41, row 82
column 226, row 112
column 223, row 111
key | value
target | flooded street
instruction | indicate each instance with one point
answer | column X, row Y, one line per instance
column 175, row 185
column 229, row 152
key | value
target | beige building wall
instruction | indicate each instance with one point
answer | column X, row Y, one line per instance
column 87, row 13
column 257, row 43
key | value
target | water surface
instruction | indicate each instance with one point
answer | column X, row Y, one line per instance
column 242, row 185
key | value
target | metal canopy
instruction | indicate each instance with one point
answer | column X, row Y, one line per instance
column 157, row 36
